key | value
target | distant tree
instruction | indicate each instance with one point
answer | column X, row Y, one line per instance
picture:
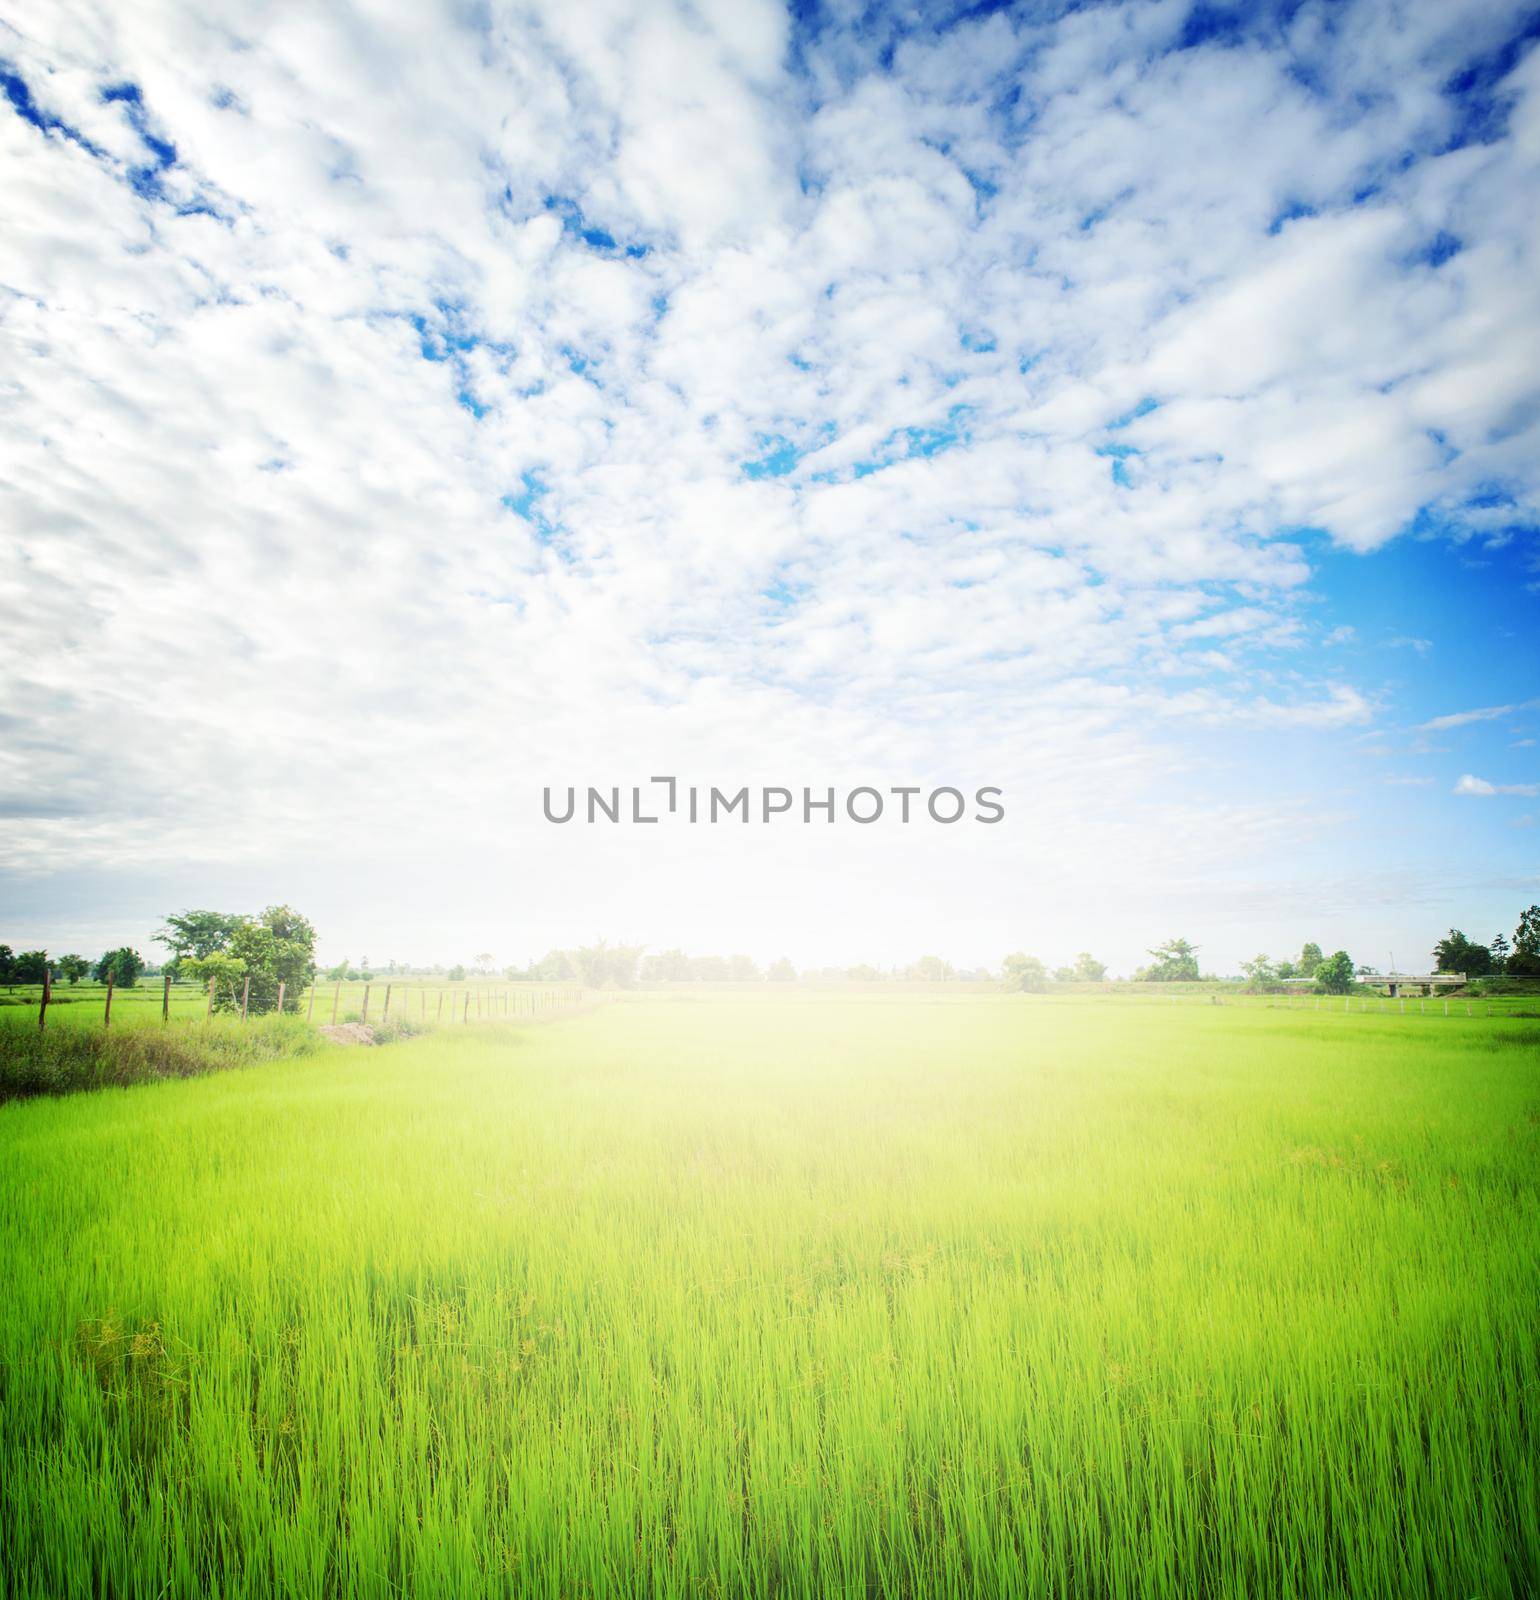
column 456, row 973
column 864, row 972
column 1524, row 960
column 666, row 966
column 484, row 963
column 1063, row 974
column 340, row 973
column 604, row 965
column 928, row 969
column 1259, row 972
column 1309, row 960
column 7, row 964
column 782, row 971
column 1023, row 974
column 710, row 969
column 1455, row 953
column 1500, row 952
column 1285, row 969
column 1335, row 974
column 197, row 933
column 1088, row 969
column 123, row 966
column 73, row 968
column 32, row 966
column 1176, row 961
column 743, row 968
column 555, row 966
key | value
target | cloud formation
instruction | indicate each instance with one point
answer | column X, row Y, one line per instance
column 397, row 410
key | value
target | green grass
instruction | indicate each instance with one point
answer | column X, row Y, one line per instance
column 788, row 1296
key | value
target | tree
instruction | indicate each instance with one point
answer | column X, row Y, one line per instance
column 32, row 966
column 275, row 951
column 1500, row 950
column 1285, row 969
column 929, row 969
column 484, row 963
column 863, row 972
column 782, row 971
column 197, row 933
column 1259, row 972
column 1455, row 953
column 456, row 973
column 123, row 966
column 1524, row 962
column 73, row 968
column 1309, row 960
column 666, row 966
column 743, row 969
column 220, row 971
column 1335, row 974
column 7, row 964
column 554, row 967
column 1063, row 974
column 710, row 969
column 1088, row 969
column 605, row 965
column 1023, row 974
column 1176, row 961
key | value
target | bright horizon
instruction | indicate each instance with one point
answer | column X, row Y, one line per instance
column 1126, row 407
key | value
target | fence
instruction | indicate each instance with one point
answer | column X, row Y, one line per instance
column 473, row 1002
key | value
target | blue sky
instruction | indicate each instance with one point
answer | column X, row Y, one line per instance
column 1132, row 405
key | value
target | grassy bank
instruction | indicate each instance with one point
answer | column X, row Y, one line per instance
column 62, row 1060
column 840, row 1298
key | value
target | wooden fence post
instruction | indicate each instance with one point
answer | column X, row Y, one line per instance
column 466, row 1016
column 423, row 1008
column 107, row 1012
column 336, row 1001
column 281, row 988
column 385, row 1014
column 165, row 999
column 363, row 1015
column 440, row 1014
column 208, row 1005
column 245, row 996
column 42, row 1010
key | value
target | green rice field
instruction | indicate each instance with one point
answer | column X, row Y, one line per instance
column 796, row 1294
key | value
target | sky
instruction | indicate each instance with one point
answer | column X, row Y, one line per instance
column 1134, row 407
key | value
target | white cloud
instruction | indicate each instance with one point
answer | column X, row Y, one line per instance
column 387, row 450
column 1470, row 785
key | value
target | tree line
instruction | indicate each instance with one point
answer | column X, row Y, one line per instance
column 1502, row 958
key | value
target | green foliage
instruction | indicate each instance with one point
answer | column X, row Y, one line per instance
column 781, row 971
column 1176, row 961
column 1023, row 974
column 456, row 973
column 273, row 950
column 1088, row 969
column 197, row 934
column 1524, row 962
column 1309, row 960
column 73, row 968
column 123, row 966
column 604, row 965
column 1501, row 950
column 1335, row 974
column 1260, row 972
column 225, row 972
column 929, row 969
column 32, row 966
column 1455, row 953
column 7, row 964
